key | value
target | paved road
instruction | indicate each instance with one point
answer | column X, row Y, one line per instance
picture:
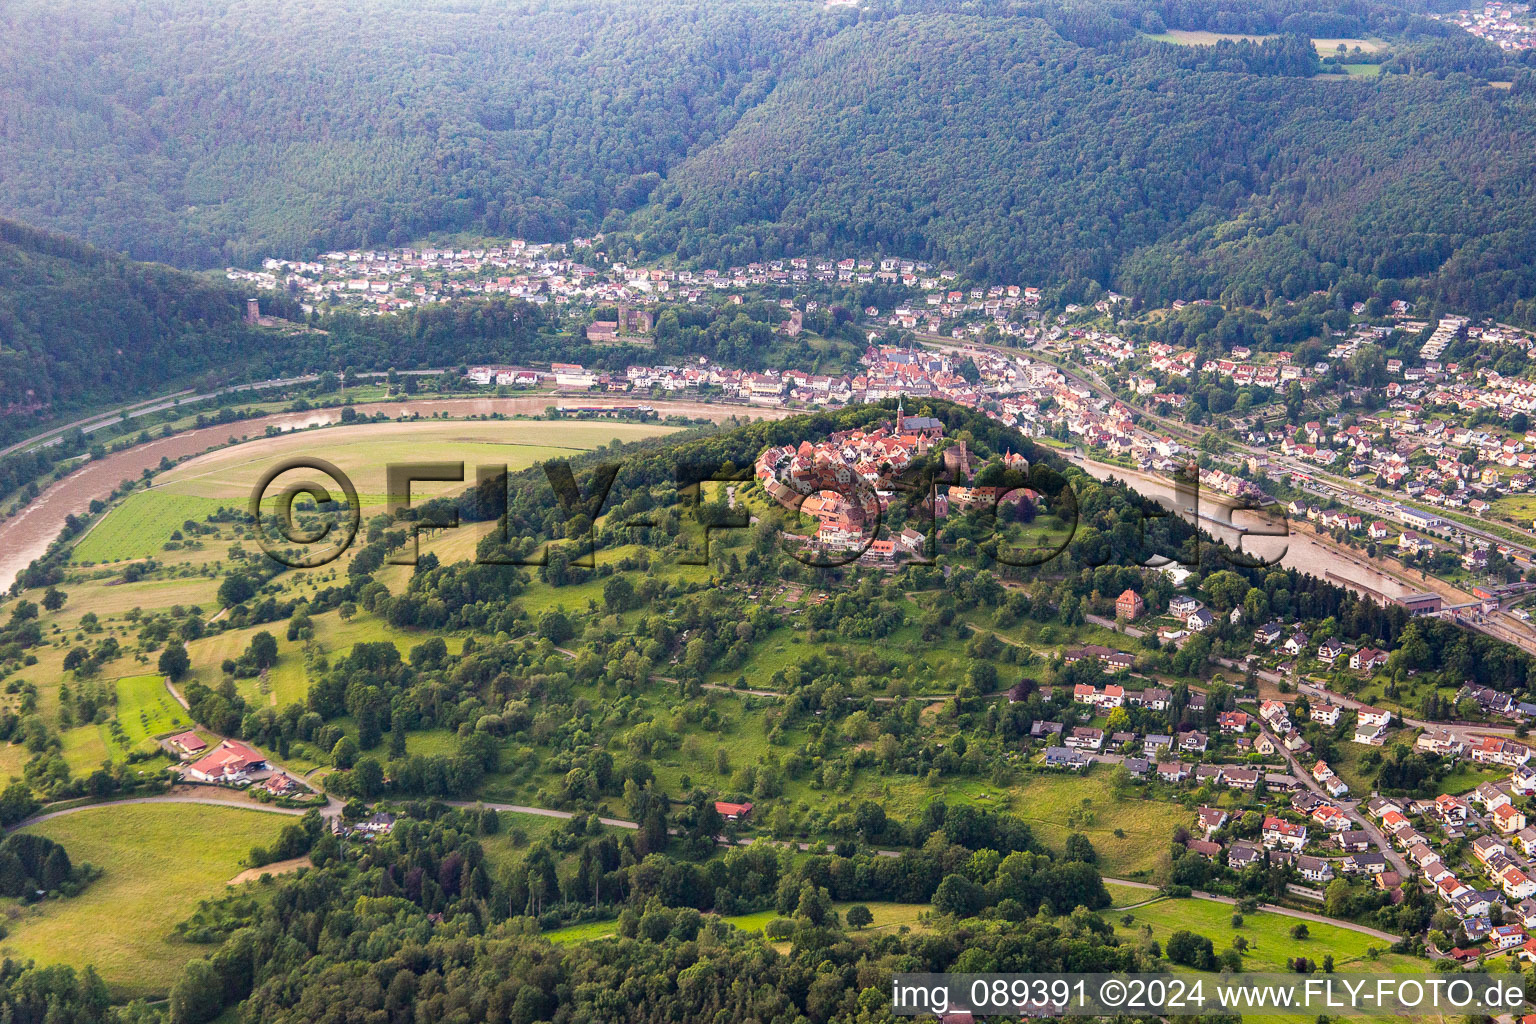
column 1464, row 731
column 1367, row 497
column 549, row 812
column 1349, row 807
column 91, row 423
column 96, row 421
column 1346, row 487
column 1302, row 915
column 543, row 812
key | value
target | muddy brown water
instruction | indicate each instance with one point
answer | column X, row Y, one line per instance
column 26, row 536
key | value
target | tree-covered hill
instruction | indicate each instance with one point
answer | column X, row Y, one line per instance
column 1033, row 140
column 80, row 328
column 1166, row 171
column 201, row 133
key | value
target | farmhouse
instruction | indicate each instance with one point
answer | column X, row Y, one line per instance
column 733, row 812
column 231, row 762
column 187, row 744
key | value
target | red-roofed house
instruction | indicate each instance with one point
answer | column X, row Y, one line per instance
column 188, row 744
column 231, row 761
column 733, row 812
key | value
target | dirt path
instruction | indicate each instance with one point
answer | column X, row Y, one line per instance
column 277, row 867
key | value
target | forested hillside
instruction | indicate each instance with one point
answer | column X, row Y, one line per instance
column 1035, row 141
column 1166, row 171
column 201, row 133
column 79, row 327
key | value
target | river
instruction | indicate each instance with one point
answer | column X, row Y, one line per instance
column 26, row 535
column 1298, row 551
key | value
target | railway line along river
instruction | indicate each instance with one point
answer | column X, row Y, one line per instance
column 1301, row 550
column 26, row 535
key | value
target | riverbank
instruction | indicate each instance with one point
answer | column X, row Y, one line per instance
column 25, row 536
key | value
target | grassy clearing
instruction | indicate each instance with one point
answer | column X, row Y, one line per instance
column 146, row 710
column 1468, row 777
column 85, row 747
column 888, row 917
column 518, row 832
column 1269, row 936
column 288, row 680
column 1192, row 37
column 159, row 861
column 1131, row 835
column 1519, row 507
column 1325, row 47
column 110, row 599
column 141, row 525
column 1328, row 46
column 1127, row 895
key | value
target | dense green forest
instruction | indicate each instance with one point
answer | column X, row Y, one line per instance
column 202, row 134
column 1165, row 171
column 1031, row 141
column 79, row 327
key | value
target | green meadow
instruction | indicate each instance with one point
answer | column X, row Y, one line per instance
column 158, row 861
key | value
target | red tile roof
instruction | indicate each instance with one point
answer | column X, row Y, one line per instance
column 230, row 758
column 188, row 741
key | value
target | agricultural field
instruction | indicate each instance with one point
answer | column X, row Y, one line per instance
column 1325, row 47
column 159, row 860
column 364, row 451
column 101, row 604
column 142, row 525
column 146, row 710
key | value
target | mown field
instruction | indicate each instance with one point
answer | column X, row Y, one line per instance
column 145, row 709
column 365, row 451
column 1270, row 944
column 1325, row 47
column 141, row 526
column 159, row 860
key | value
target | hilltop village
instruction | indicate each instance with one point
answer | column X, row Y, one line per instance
column 1396, row 434
column 844, row 482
